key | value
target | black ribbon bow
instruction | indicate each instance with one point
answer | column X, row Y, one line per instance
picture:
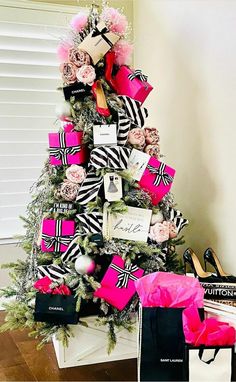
column 125, row 274
column 62, row 151
column 138, row 74
column 161, row 175
column 56, row 239
column 96, row 32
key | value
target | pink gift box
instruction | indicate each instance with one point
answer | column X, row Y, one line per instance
column 157, row 179
column 67, row 148
column 57, row 235
column 117, row 286
column 133, row 87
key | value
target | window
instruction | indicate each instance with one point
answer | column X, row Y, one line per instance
column 29, row 77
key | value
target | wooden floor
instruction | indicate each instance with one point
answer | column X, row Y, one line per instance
column 20, row 361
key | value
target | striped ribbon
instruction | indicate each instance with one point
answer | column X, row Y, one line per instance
column 56, row 272
column 62, row 151
column 90, row 222
column 114, row 157
column 177, row 218
column 138, row 74
column 90, row 187
column 125, row 274
column 57, row 239
column 134, row 110
column 161, row 175
column 124, row 124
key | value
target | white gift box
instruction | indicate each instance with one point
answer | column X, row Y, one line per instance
column 89, row 345
column 98, row 42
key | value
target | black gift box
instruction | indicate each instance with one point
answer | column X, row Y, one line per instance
column 77, row 90
column 162, row 345
column 55, row 308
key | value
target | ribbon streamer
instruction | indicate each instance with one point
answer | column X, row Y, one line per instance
column 57, row 239
column 90, row 222
column 114, row 157
column 138, row 74
column 90, row 187
column 177, row 218
column 134, row 110
column 62, row 151
column 96, row 32
column 125, row 274
column 124, row 124
column 161, row 175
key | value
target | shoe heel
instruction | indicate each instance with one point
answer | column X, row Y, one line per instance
column 205, row 265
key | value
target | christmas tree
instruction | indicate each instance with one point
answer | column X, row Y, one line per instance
column 102, row 214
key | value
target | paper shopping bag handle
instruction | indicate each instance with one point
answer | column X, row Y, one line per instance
column 200, row 354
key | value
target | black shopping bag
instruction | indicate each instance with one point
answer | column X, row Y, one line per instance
column 162, row 345
column 55, row 308
column 209, row 363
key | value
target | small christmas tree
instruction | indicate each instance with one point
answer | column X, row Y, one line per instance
column 102, row 214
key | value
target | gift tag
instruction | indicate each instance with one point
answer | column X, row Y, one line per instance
column 77, row 90
column 132, row 225
column 137, row 163
column 104, row 135
column 62, row 207
column 112, row 186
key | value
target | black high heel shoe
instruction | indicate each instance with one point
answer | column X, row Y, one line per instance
column 211, row 258
column 190, row 258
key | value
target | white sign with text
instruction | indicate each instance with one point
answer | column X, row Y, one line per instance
column 132, row 225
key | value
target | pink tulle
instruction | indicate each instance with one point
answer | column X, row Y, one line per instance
column 209, row 332
column 79, row 21
column 63, row 50
column 123, row 51
column 117, row 23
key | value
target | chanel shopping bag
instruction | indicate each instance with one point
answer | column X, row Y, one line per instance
column 209, row 363
column 162, row 345
column 55, row 308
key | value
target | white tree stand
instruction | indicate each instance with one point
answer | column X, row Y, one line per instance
column 89, row 345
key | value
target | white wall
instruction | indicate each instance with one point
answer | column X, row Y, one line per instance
column 188, row 48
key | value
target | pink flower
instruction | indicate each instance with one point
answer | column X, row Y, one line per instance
column 43, row 285
column 68, row 190
column 116, row 22
column 153, row 150
column 63, row 50
column 79, row 57
column 75, row 173
column 86, row 74
column 159, row 232
column 79, row 21
column 136, row 138
column 173, row 231
column 123, row 51
column 68, row 71
column 151, row 135
column 62, row 289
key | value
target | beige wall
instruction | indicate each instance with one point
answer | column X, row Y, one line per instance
column 188, row 48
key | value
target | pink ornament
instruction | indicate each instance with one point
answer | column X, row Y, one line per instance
column 63, row 51
column 116, row 22
column 79, row 21
column 123, row 51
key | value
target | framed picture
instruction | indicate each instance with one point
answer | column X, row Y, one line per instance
column 137, row 163
column 112, row 187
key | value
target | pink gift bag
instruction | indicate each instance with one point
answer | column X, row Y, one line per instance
column 57, row 235
column 67, row 148
column 117, row 286
column 132, row 83
column 157, row 179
